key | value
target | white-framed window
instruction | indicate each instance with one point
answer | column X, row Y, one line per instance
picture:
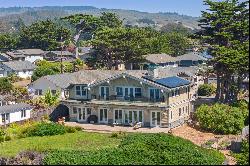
column 138, row 92
column 186, row 109
column 122, row 91
column 23, row 113
column 5, row 117
column 119, row 91
column 74, row 110
column 38, row 92
column 154, row 93
column 171, row 115
column 183, row 109
column 175, row 92
column 80, row 90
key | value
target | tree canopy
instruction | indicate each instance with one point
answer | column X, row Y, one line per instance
column 225, row 27
column 45, row 35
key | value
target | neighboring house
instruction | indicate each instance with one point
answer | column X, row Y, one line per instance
column 123, row 97
column 211, row 79
column 14, row 113
column 4, row 57
column 30, row 55
column 57, row 55
column 164, row 60
column 159, row 60
column 190, row 59
column 23, row 69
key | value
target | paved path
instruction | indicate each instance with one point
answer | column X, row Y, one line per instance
column 109, row 129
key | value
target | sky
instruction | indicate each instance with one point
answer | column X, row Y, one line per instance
column 187, row 7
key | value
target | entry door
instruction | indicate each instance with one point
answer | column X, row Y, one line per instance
column 104, row 92
column 155, row 118
column 118, row 116
column 103, row 115
column 83, row 114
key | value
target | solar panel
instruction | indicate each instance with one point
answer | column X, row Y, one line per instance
column 172, row 82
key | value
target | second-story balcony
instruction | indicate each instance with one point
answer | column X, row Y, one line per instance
column 128, row 98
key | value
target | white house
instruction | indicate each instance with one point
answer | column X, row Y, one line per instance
column 30, row 55
column 14, row 113
column 23, row 69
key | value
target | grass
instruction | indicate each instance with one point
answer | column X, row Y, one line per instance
column 72, row 141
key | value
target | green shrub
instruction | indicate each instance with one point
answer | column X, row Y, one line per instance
column 206, row 90
column 78, row 128
column 1, row 139
column 221, row 118
column 243, row 157
column 114, row 135
column 70, row 129
column 7, row 138
column 141, row 149
column 45, row 129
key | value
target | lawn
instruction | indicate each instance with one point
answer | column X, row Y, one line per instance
column 71, row 141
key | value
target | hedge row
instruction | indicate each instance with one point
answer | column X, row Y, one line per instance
column 141, row 149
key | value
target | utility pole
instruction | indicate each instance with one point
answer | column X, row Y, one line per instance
column 61, row 54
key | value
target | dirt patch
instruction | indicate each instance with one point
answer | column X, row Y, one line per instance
column 192, row 134
column 201, row 137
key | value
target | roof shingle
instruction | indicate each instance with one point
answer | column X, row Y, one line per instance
column 20, row 65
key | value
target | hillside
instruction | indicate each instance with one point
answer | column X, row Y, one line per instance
column 10, row 17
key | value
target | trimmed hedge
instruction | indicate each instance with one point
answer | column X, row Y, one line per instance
column 45, row 129
column 222, row 118
column 141, row 149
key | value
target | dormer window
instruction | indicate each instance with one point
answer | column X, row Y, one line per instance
column 81, row 91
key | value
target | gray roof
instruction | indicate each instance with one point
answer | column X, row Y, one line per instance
column 194, row 56
column 20, row 65
column 175, row 71
column 87, row 76
column 15, row 54
column 85, row 49
column 58, row 53
column 31, row 51
column 25, row 52
column 159, row 58
column 14, row 108
column 95, row 77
